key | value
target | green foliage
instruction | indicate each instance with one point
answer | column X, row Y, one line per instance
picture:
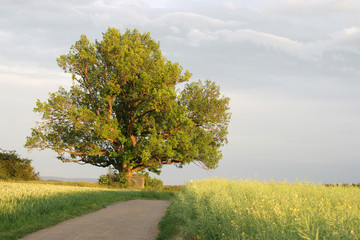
column 13, row 167
column 169, row 226
column 124, row 110
column 114, row 178
column 221, row 209
column 150, row 182
column 104, row 179
column 154, row 183
column 28, row 207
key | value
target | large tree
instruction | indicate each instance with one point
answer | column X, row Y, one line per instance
column 124, row 110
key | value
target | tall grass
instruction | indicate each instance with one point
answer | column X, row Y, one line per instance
column 27, row 207
column 221, row 209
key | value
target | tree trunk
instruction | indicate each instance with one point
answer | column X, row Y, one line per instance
column 126, row 174
column 128, row 177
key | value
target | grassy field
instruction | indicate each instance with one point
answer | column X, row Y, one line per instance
column 221, row 209
column 28, row 207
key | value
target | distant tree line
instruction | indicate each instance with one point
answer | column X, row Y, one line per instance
column 13, row 167
column 343, row 185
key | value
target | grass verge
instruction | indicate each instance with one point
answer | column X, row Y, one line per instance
column 28, row 207
column 169, row 225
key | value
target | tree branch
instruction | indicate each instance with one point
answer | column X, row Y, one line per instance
column 80, row 153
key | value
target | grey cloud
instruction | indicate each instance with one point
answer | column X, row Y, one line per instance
column 190, row 19
column 347, row 39
column 323, row 7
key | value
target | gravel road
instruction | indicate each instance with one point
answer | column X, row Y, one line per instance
column 130, row 220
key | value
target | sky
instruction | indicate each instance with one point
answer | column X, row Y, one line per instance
column 290, row 67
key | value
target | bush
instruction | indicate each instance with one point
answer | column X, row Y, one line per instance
column 104, row 179
column 113, row 178
column 12, row 167
column 153, row 182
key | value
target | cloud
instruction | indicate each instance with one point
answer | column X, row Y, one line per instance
column 347, row 39
column 33, row 76
column 195, row 37
column 261, row 38
column 6, row 37
column 191, row 19
column 349, row 36
column 290, row 7
column 174, row 29
column 230, row 5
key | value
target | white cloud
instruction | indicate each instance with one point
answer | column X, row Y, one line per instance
column 175, row 29
column 265, row 39
column 347, row 39
column 33, row 76
column 190, row 19
column 100, row 19
column 6, row 37
column 230, row 5
column 195, row 37
column 290, row 7
column 348, row 36
column 347, row 69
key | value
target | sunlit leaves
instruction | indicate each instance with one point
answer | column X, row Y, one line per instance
column 124, row 109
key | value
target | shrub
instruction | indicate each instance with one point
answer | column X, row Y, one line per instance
column 104, row 179
column 153, row 182
column 13, row 167
column 113, row 178
column 150, row 182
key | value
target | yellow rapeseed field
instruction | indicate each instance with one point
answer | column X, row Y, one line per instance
column 221, row 209
column 19, row 199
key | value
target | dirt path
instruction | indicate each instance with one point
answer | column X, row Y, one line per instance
column 130, row 220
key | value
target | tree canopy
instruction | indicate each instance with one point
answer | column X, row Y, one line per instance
column 124, row 109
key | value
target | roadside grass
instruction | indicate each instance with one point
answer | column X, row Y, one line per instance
column 221, row 209
column 76, row 184
column 165, row 188
column 28, row 207
column 169, row 226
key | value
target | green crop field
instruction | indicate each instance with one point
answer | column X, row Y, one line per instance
column 27, row 207
column 221, row 209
